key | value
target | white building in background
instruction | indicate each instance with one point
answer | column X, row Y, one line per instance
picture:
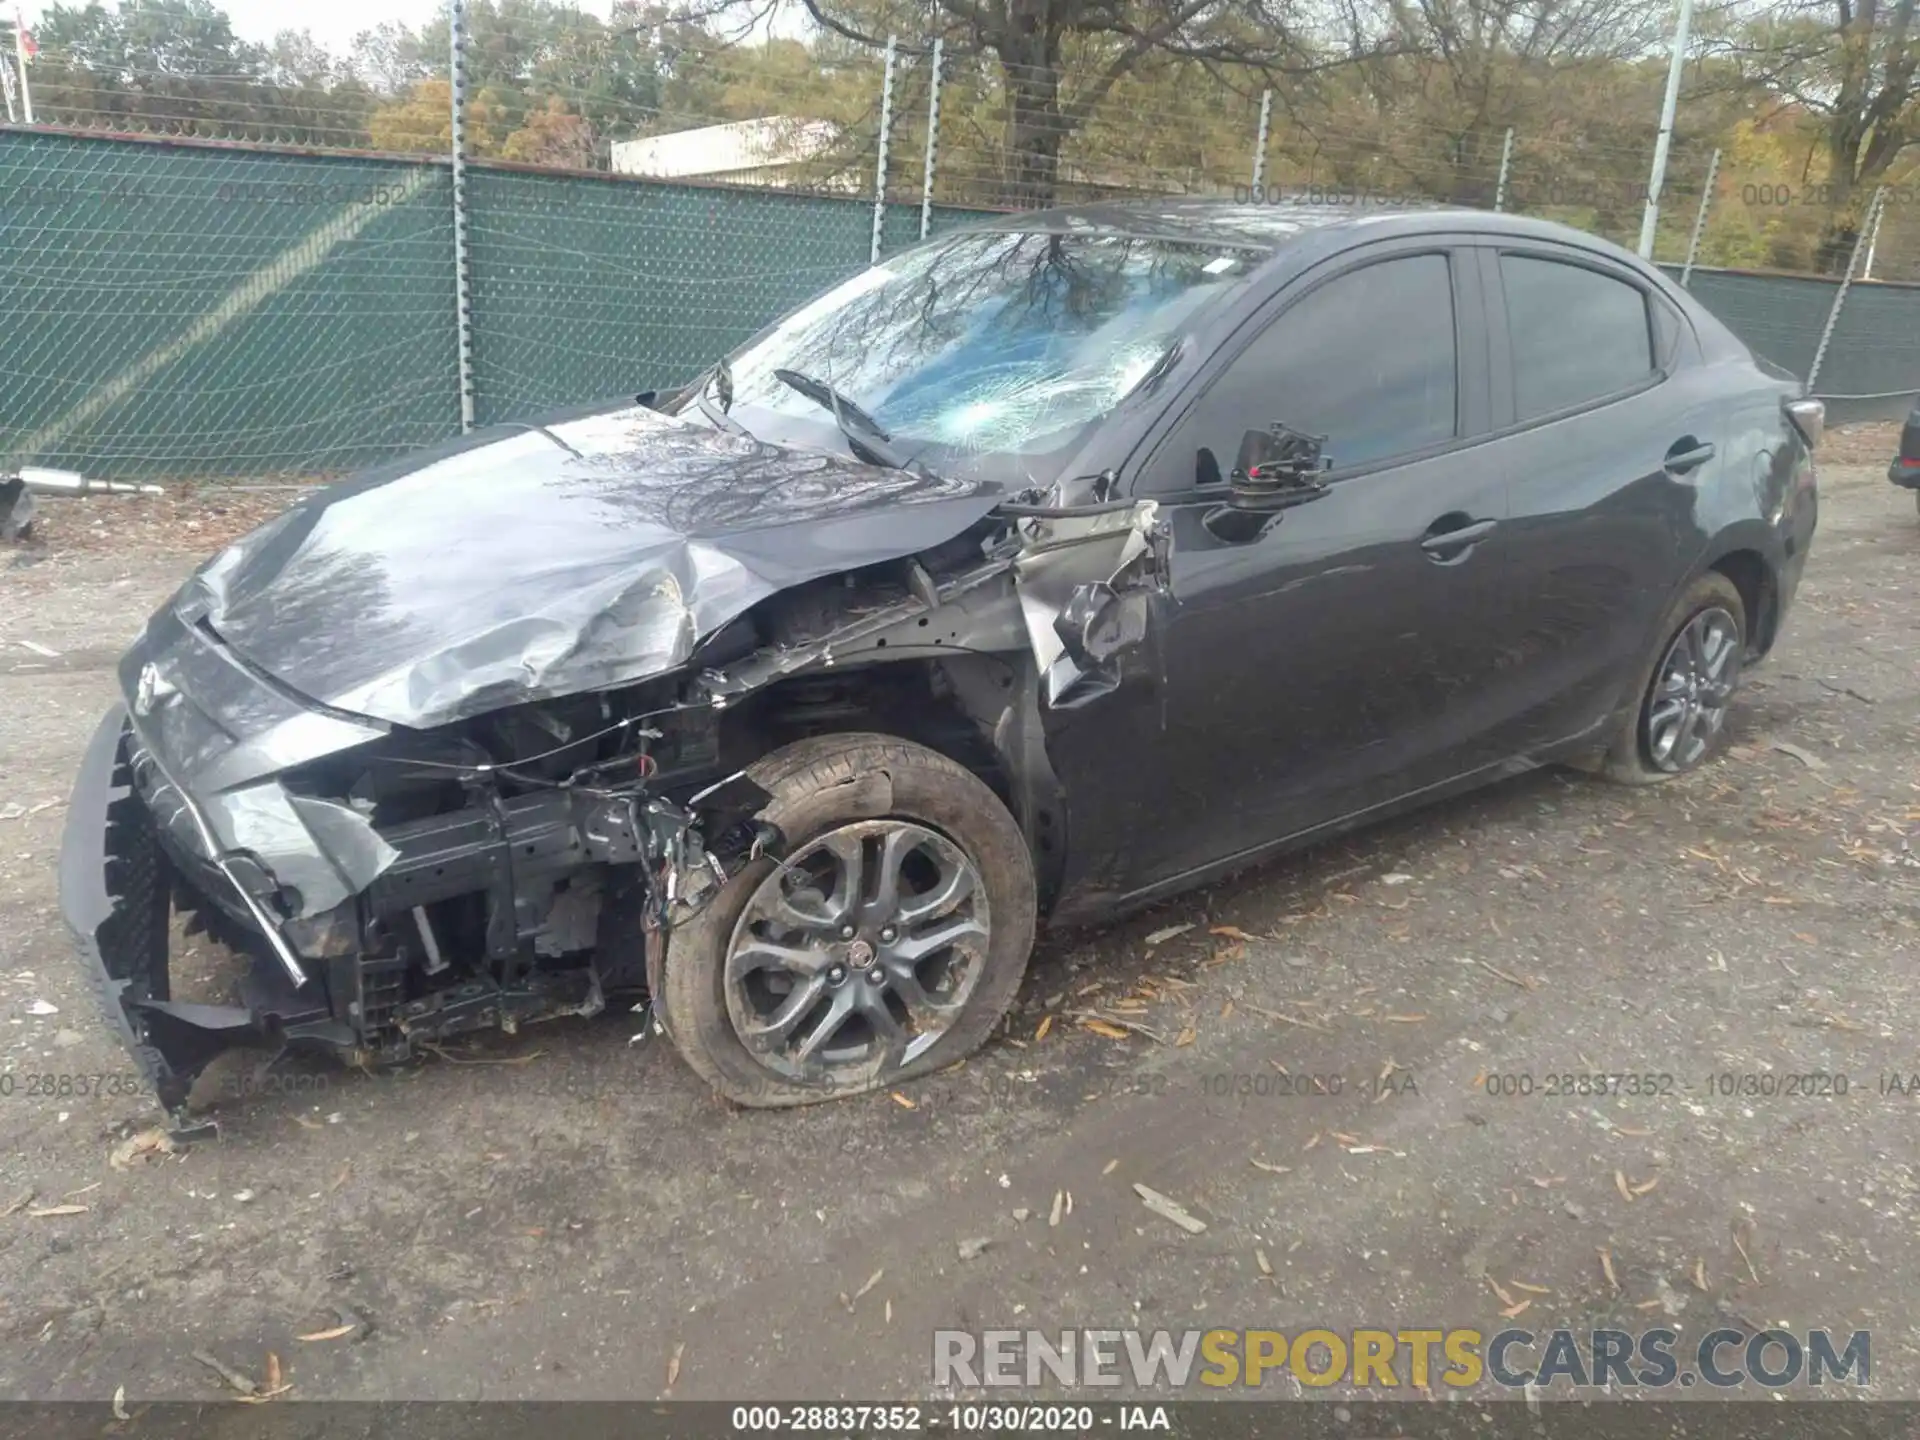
column 774, row 151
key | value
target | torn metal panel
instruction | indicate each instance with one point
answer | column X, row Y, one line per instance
column 1074, row 593
column 1083, row 582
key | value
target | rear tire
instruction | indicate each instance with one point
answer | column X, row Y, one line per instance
column 842, row 937
column 1682, row 699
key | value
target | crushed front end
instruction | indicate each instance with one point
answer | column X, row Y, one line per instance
column 386, row 887
column 389, row 885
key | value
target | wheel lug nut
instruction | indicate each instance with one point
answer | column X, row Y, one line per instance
column 836, row 975
column 888, row 934
column 846, row 932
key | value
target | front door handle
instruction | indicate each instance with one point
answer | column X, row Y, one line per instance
column 1448, row 545
column 1686, row 454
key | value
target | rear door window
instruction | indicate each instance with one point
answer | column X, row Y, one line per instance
column 1577, row 335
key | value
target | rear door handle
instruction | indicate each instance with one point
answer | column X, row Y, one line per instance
column 1441, row 544
column 1686, row 454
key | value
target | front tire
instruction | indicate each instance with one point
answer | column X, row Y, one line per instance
column 1687, row 688
column 887, row 943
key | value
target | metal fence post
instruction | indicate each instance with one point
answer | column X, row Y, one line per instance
column 1650, row 218
column 462, row 274
column 1506, row 160
column 1700, row 221
column 1260, row 145
column 933, row 140
column 1873, row 243
column 880, row 163
column 20, row 63
column 1846, row 284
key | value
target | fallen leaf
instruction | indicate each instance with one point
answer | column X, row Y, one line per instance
column 1630, row 1130
column 333, row 1333
column 42, row 1212
column 1699, row 1275
column 227, row 1373
column 1403, row 1019
column 120, row 1403
column 273, row 1372
column 1186, row 1036
column 1260, row 1259
column 1606, row 1266
column 1160, row 937
column 84, row 1189
column 24, row 1199
column 1046, row 1024
column 1646, row 1185
column 1620, row 1184
column 903, row 1102
column 1169, row 1210
column 889, row 1312
column 1270, row 1167
column 673, row 1363
column 1231, row 932
column 1226, row 1010
column 872, row 1280
column 1101, row 1027
column 346, row 1171
column 1547, row 1182
column 1506, row 1298
column 1513, row 1312
column 1110, row 1167
column 1059, row 1207
column 1531, row 1289
column 1313, row 1142
column 143, row 1146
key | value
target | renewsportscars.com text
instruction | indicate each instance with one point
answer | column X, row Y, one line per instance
column 1394, row 1359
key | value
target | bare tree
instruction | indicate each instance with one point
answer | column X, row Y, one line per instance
column 1850, row 64
column 1059, row 59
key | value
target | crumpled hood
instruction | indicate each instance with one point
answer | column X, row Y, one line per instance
column 594, row 552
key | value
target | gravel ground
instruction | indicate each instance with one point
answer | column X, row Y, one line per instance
column 567, row 1213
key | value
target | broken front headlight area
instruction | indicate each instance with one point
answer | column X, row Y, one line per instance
column 527, row 853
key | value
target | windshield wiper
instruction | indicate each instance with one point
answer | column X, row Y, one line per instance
column 865, row 436
column 720, row 380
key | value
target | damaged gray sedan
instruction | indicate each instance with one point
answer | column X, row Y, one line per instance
column 1045, row 570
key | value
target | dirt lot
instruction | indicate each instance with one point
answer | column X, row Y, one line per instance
column 568, row 1213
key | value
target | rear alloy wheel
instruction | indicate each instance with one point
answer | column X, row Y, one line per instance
column 887, row 942
column 1686, row 693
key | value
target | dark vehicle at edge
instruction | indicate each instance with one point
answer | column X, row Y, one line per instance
column 1905, row 470
column 1041, row 572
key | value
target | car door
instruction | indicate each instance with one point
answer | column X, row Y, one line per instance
column 1606, row 431
column 1332, row 661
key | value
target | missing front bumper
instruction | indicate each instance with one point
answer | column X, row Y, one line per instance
column 116, row 886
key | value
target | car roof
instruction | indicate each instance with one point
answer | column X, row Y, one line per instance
column 1269, row 229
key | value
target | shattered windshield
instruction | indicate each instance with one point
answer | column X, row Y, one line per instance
column 991, row 343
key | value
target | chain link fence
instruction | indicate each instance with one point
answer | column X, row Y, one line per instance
column 186, row 307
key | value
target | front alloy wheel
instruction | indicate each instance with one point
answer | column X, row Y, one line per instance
column 885, row 944
column 1692, row 689
column 858, row 954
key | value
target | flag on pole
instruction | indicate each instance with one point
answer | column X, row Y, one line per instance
column 29, row 47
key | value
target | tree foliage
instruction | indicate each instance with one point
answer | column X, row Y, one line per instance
column 1812, row 103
